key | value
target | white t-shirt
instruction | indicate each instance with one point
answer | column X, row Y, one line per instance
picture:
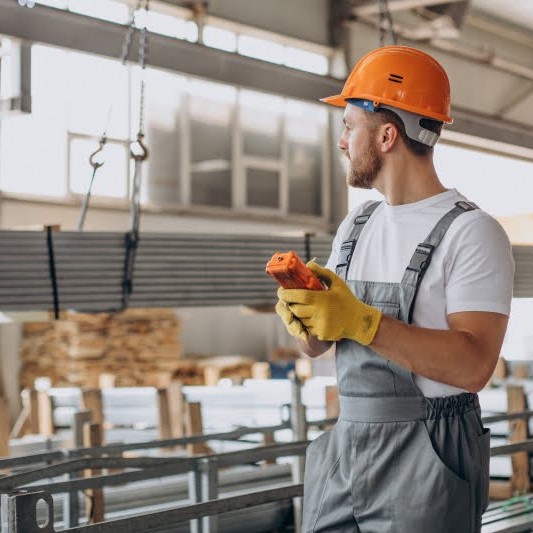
column 472, row 269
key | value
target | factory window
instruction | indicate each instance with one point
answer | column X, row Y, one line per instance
column 169, row 25
column 210, row 144
column 33, row 151
column 164, row 124
column 220, row 38
column 499, row 183
column 110, row 10
column 480, row 176
column 6, row 69
column 261, row 49
column 306, row 130
column 305, row 60
column 59, row 4
column 210, row 108
column 290, row 56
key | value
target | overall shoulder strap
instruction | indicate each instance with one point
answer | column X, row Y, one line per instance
column 348, row 246
column 421, row 259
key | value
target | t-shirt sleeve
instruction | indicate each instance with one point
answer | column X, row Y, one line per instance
column 480, row 272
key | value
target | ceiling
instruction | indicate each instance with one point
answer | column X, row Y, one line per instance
column 519, row 12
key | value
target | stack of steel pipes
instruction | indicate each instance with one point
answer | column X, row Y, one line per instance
column 171, row 270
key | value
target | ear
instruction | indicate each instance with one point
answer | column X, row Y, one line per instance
column 388, row 137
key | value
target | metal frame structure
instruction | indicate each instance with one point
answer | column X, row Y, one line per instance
column 238, row 163
column 19, row 507
column 20, row 100
column 69, row 30
column 19, row 504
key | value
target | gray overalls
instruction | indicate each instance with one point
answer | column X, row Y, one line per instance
column 396, row 460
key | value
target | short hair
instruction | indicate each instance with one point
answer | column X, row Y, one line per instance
column 383, row 116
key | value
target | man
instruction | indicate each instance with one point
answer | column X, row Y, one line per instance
column 418, row 307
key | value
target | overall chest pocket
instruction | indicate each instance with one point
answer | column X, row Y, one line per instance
column 387, row 308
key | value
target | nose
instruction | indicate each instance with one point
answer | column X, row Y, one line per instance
column 342, row 143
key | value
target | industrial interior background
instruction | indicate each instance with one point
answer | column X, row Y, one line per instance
column 242, row 161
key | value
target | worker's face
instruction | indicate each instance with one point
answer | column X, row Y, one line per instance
column 358, row 144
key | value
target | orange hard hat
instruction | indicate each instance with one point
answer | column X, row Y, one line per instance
column 400, row 77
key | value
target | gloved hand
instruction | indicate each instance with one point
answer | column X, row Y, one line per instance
column 292, row 323
column 332, row 314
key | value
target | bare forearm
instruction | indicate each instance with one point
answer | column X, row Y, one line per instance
column 447, row 356
column 314, row 347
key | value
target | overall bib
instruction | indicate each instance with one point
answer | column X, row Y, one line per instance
column 396, row 461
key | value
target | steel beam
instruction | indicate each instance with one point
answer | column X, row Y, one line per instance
column 69, row 30
column 62, row 28
column 493, row 128
column 372, row 7
column 22, row 516
column 506, row 449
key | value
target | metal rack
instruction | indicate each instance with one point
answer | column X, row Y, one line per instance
column 33, row 480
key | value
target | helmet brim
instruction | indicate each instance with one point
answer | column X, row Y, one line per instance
column 337, row 100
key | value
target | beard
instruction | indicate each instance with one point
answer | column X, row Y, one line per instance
column 364, row 169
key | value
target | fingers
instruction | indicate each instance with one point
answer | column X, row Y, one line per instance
column 297, row 296
column 301, row 311
column 282, row 309
column 324, row 274
column 292, row 323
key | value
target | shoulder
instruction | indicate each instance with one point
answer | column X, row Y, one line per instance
column 478, row 265
column 480, row 228
column 477, row 245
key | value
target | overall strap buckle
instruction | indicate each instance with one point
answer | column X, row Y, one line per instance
column 346, row 251
column 348, row 246
column 361, row 219
column 466, row 206
column 422, row 257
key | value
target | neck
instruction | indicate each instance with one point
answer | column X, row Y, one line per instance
column 407, row 180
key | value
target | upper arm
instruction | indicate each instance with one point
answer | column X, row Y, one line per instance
column 480, row 270
column 486, row 331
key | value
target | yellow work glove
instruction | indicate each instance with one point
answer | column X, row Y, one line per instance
column 292, row 323
column 332, row 314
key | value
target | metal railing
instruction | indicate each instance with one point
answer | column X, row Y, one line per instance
column 203, row 485
column 19, row 498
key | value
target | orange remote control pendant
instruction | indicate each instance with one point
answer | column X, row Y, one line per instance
column 291, row 273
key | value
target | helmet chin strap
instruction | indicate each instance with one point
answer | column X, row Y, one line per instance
column 411, row 121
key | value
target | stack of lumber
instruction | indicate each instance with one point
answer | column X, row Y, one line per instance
column 138, row 347
column 234, row 367
column 208, row 370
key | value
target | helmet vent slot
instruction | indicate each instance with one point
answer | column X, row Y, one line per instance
column 396, row 78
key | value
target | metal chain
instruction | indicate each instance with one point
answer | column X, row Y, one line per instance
column 126, row 44
column 143, row 56
column 132, row 237
column 385, row 22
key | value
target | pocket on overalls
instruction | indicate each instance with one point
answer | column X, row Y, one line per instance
column 321, row 459
column 387, row 308
column 440, row 451
column 484, row 451
column 431, row 496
